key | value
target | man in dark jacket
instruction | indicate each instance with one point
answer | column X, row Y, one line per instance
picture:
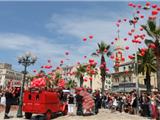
column 79, row 101
column 9, row 98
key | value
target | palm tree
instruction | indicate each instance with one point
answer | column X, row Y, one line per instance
column 81, row 69
column 103, row 49
column 153, row 31
column 71, row 84
column 146, row 66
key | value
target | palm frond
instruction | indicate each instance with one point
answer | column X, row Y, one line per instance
column 95, row 54
column 152, row 25
column 148, row 42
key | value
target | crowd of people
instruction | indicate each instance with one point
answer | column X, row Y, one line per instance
column 146, row 105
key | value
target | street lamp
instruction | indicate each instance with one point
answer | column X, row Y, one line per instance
column 26, row 60
column 124, row 82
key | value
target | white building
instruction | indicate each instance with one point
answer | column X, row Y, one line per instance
column 8, row 76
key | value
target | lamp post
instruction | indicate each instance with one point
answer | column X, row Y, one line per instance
column 124, row 79
column 26, row 60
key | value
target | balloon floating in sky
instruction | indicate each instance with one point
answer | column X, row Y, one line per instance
column 84, row 39
column 154, row 12
column 127, row 47
column 66, row 53
column 91, row 36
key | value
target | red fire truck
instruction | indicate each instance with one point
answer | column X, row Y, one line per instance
column 43, row 102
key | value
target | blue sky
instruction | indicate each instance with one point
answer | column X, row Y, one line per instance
column 48, row 29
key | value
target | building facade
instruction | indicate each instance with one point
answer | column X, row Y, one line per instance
column 9, row 77
column 125, row 77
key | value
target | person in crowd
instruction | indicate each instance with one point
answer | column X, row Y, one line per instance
column 79, row 101
column 154, row 112
column 134, row 103
column 144, row 104
column 114, row 104
column 70, row 104
column 120, row 103
column 158, row 105
column 104, row 98
column 97, row 101
column 9, row 98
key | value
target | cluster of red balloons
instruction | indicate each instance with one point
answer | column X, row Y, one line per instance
column 38, row 82
column 90, row 37
column 61, row 83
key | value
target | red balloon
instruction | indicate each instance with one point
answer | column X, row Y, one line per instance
column 138, row 12
column 141, row 29
column 147, row 3
column 112, row 43
column 152, row 45
column 132, row 30
column 34, row 71
column 58, row 68
column 116, row 39
column 123, row 59
column 105, row 50
column 112, row 56
column 126, row 47
column 158, row 8
column 91, row 37
column 85, row 56
column 124, row 19
column 98, row 51
column 49, row 61
column 62, row 61
column 139, row 6
column 125, row 39
column 42, row 66
column 101, row 66
column 129, row 33
column 85, row 79
column 107, row 69
column 142, row 53
column 90, row 79
column 91, row 60
column 117, row 58
column 119, row 52
column 131, row 57
column 119, row 21
column 66, row 53
column 154, row 12
column 134, row 6
column 142, row 16
column 130, row 4
column 117, row 25
column 154, row 6
column 84, row 39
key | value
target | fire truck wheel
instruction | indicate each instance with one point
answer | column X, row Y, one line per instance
column 48, row 115
column 28, row 115
column 65, row 111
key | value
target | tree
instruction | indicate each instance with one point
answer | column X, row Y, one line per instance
column 153, row 31
column 103, row 49
column 146, row 66
column 81, row 69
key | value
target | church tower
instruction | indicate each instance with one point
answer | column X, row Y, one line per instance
column 118, row 52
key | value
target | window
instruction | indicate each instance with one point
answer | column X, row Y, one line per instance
column 29, row 97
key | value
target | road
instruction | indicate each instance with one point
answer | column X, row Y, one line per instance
column 104, row 114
